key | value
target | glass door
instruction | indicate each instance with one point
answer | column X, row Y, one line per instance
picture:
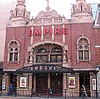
column 56, row 83
column 85, row 80
column 41, row 83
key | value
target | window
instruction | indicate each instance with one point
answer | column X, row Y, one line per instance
column 49, row 54
column 13, row 51
column 83, row 49
column 81, row 7
column 56, row 55
column 42, row 56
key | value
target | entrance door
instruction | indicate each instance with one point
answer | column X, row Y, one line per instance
column 41, row 83
column 13, row 81
column 56, row 83
column 85, row 80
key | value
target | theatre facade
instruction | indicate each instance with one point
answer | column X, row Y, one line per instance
column 51, row 51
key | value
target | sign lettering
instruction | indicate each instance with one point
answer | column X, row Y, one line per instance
column 46, row 31
column 37, row 32
column 64, row 31
column 39, row 68
column 57, row 31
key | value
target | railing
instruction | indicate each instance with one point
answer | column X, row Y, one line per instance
column 62, row 94
column 48, row 21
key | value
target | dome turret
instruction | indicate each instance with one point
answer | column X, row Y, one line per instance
column 81, row 10
column 20, row 11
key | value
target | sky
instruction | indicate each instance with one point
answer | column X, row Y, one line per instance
column 63, row 7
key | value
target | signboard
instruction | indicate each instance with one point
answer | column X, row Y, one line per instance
column 23, row 81
column 94, row 84
column 57, row 31
column 44, row 68
column 3, row 84
column 71, row 82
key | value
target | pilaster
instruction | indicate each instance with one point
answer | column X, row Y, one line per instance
column 5, row 83
column 98, row 83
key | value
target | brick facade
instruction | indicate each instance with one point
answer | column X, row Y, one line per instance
column 47, row 31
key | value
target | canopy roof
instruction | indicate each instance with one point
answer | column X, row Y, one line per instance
column 45, row 68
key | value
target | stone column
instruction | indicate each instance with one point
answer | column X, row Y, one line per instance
column 30, row 83
column 34, row 83
column 32, row 29
column 64, row 84
column 63, row 36
column 53, row 29
column 49, row 80
column 6, row 80
column 98, row 83
column 92, row 92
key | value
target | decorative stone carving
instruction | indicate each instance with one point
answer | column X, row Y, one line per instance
column 20, row 11
column 81, row 12
column 30, row 55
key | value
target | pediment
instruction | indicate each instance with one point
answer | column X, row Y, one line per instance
column 48, row 14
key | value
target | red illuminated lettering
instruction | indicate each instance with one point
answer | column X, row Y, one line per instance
column 46, row 31
column 30, row 33
column 37, row 32
column 64, row 30
column 50, row 31
column 57, row 31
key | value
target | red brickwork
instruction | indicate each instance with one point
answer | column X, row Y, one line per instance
column 75, row 31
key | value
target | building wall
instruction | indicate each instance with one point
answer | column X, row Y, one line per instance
column 75, row 31
column 97, row 45
column 19, row 34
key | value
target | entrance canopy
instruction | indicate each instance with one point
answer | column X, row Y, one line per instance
column 44, row 68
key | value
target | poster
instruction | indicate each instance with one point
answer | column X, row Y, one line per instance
column 3, row 84
column 93, row 84
column 71, row 82
column 23, row 81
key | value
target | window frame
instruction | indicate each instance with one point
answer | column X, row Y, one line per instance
column 49, row 53
column 82, row 42
column 42, row 52
column 12, row 52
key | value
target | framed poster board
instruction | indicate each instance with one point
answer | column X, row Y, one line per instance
column 3, row 84
column 23, row 82
column 71, row 82
column 94, row 84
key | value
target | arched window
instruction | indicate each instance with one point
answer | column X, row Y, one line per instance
column 81, row 7
column 13, row 51
column 48, row 53
column 42, row 56
column 83, row 49
column 42, row 50
column 56, row 55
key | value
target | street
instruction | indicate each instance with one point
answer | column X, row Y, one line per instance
column 9, row 97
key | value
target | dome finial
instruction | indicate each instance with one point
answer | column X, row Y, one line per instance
column 80, row 0
column 48, row 7
column 21, row 2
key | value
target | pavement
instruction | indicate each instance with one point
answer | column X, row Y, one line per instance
column 12, row 97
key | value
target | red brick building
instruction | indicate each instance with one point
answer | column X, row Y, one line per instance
column 50, row 51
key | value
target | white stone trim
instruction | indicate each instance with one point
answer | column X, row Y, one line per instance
column 53, row 33
column 9, row 69
column 32, row 29
column 63, row 26
column 97, row 46
column 84, row 69
column 42, row 34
